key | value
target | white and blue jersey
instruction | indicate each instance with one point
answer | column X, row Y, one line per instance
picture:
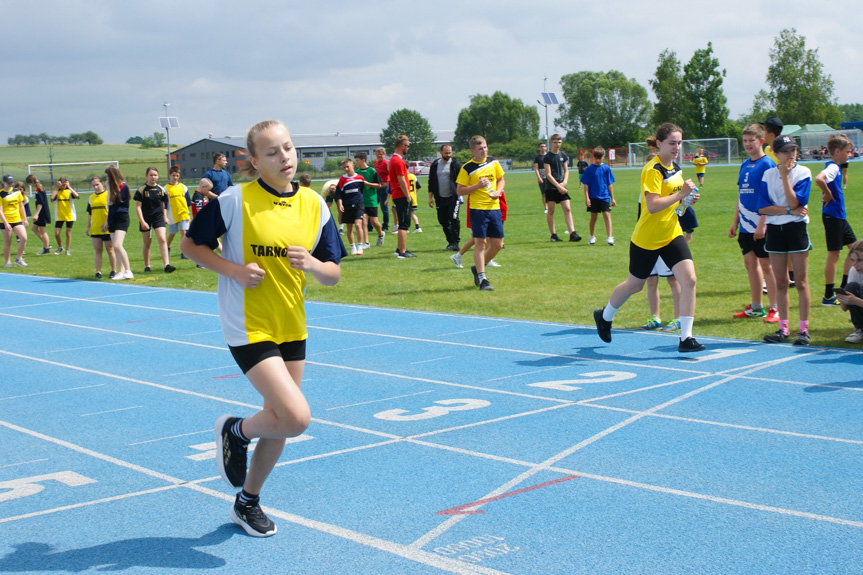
column 833, row 178
column 748, row 183
column 772, row 193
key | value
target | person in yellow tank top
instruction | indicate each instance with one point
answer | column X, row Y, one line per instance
column 12, row 219
column 178, row 206
column 64, row 213
column 700, row 162
column 658, row 234
column 273, row 236
column 97, row 226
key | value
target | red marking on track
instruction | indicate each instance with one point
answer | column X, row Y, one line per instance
column 230, row 376
column 460, row 510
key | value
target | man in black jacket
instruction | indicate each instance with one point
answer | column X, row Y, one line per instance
column 442, row 191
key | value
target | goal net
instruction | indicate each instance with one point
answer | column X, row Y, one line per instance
column 614, row 157
column 78, row 173
column 717, row 150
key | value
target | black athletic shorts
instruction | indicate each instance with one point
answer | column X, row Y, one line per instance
column 403, row 212
column 352, row 214
column 837, row 232
column 154, row 223
column 248, row 356
column 59, row 224
column 598, row 206
column 553, row 195
column 748, row 243
column 641, row 261
column 788, row 238
column 371, row 211
column 688, row 221
column 119, row 222
column 103, row 237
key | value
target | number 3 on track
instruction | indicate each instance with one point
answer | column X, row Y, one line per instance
column 441, row 408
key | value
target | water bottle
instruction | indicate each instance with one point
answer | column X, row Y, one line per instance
column 685, row 203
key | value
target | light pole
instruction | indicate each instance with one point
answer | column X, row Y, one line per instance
column 168, row 132
column 549, row 98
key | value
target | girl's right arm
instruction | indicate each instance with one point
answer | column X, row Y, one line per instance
column 249, row 276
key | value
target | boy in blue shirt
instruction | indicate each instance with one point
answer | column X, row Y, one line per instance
column 837, row 230
column 598, row 181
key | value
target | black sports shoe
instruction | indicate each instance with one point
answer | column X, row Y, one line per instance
column 778, row 337
column 146, row 268
column 484, row 285
column 252, row 519
column 554, row 238
column 574, row 237
column 112, row 274
column 230, row 452
column 475, row 276
column 802, row 338
column 603, row 328
column 689, row 344
column 169, row 268
column 98, row 275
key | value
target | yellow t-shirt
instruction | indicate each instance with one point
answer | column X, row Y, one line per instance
column 412, row 186
column 178, row 209
column 11, row 201
column 769, row 151
column 98, row 212
column 64, row 209
column 700, row 163
column 653, row 231
column 472, row 172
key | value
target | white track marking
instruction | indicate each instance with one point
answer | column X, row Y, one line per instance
column 23, row 463
column 51, row 391
column 379, row 400
column 111, row 411
column 473, row 330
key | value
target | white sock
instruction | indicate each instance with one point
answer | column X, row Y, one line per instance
column 686, row 326
column 608, row 312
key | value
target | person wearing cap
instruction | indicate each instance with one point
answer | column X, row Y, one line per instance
column 772, row 129
column 12, row 218
column 783, row 197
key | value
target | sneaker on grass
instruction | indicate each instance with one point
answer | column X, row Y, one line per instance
column 456, row 259
column 748, row 311
column 855, row 336
column 830, row 302
column 673, row 325
column 772, row 316
column 252, row 519
column 652, row 324
column 484, row 285
column 231, row 453
column 802, row 338
column 778, row 337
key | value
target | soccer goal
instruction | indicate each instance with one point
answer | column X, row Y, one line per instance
column 78, row 173
column 717, row 150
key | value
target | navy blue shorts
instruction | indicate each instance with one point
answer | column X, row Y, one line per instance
column 486, row 223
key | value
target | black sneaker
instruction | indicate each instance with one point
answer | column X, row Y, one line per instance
column 475, row 275
column 574, row 237
column 484, row 285
column 44, row 251
column 603, row 328
column 554, row 238
column 802, row 338
column 169, row 268
column 252, row 519
column 230, row 452
column 778, row 337
column 146, row 268
column 98, row 275
column 112, row 274
column 689, row 344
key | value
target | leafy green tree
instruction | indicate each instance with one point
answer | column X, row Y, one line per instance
column 414, row 126
column 603, row 108
column 801, row 92
column 91, row 138
column 498, row 118
column 851, row 112
column 520, row 150
column 706, row 110
column 137, row 140
column 760, row 110
column 667, row 86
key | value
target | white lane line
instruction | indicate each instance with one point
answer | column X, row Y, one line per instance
column 98, row 346
column 170, row 437
column 378, row 400
column 23, row 463
column 431, row 360
column 342, row 350
column 473, row 330
column 50, row 391
column 111, row 411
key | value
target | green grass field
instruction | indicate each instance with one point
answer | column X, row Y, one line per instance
column 539, row 280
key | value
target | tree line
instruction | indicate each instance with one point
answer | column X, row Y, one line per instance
column 611, row 110
column 90, row 138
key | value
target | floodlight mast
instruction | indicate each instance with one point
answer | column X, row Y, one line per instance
column 549, row 98
column 168, row 132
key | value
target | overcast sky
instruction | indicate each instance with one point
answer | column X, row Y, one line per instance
column 333, row 66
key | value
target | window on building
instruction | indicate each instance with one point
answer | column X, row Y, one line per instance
column 337, row 154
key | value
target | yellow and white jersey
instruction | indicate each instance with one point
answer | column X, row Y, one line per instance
column 64, row 208
column 258, row 224
column 12, row 201
column 98, row 208
column 178, row 207
column 700, row 163
column 472, row 172
column 653, row 231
